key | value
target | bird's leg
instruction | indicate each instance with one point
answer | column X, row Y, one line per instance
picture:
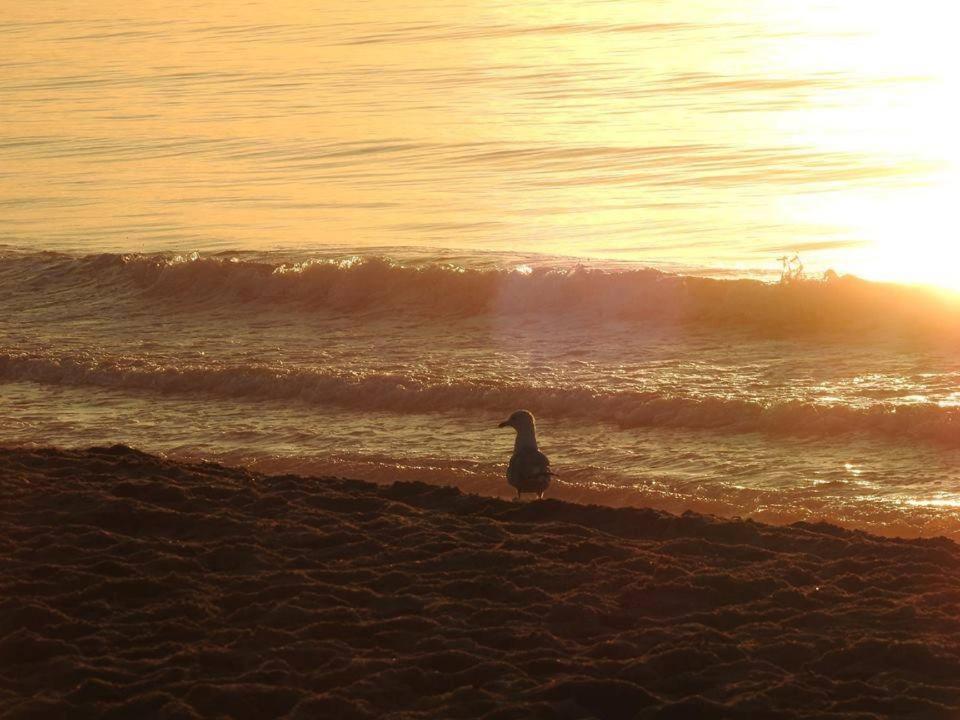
column 540, row 495
column 518, row 493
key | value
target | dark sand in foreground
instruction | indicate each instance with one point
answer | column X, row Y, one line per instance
column 134, row 587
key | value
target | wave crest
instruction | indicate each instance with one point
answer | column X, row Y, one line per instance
column 373, row 284
column 927, row 422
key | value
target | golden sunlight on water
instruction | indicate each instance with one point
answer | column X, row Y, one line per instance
column 711, row 134
column 908, row 230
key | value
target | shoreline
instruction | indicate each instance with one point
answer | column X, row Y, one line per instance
column 141, row 587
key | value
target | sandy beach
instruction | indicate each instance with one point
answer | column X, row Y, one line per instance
column 136, row 587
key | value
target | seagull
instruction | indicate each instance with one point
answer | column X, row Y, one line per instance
column 529, row 469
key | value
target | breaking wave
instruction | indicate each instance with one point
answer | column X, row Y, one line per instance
column 924, row 422
column 374, row 284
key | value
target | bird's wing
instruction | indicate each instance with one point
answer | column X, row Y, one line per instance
column 528, row 462
column 539, row 463
column 529, row 467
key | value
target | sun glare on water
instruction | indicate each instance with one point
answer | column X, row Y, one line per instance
column 903, row 228
column 706, row 134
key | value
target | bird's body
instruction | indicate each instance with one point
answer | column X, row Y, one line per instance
column 529, row 469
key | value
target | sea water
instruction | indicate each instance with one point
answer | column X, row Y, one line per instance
column 807, row 400
column 352, row 237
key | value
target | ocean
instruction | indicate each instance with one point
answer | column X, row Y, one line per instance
column 734, row 397
column 351, row 238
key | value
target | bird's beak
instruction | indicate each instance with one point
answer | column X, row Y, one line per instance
column 505, row 423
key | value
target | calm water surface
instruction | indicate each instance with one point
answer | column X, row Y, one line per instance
column 713, row 134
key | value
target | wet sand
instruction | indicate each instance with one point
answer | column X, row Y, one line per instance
column 135, row 587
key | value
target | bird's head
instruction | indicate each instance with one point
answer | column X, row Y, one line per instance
column 520, row 420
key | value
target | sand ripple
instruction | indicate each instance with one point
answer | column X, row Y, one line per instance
column 133, row 587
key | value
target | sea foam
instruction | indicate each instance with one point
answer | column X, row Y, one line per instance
column 409, row 393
